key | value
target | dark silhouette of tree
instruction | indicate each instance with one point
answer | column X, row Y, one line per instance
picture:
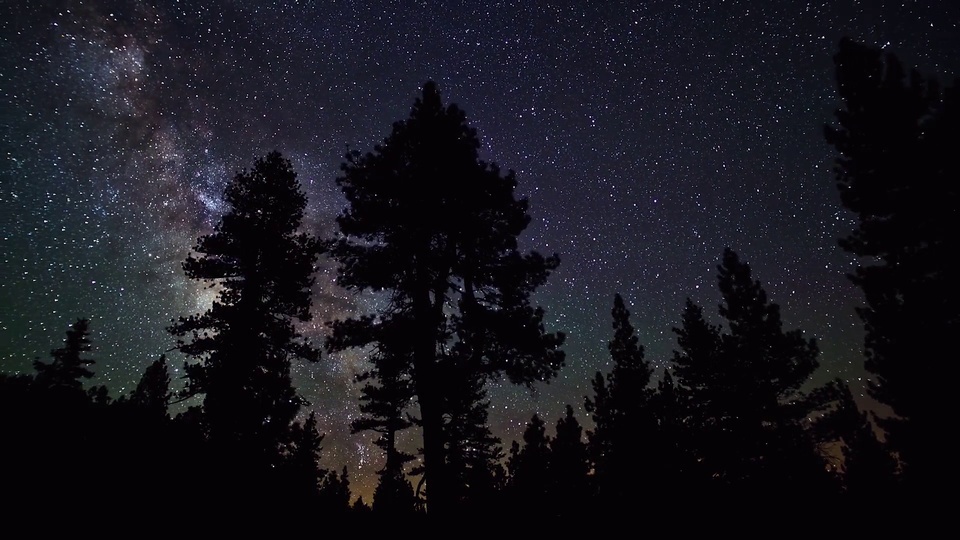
column 383, row 406
column 360, row 508
column 896, row 138
column 393, row 497
column 51, row 423
column 869, row 469
column 59, row 388
column 302, row 474
column 152, row 394
column 697, row 367
column 743, row 409
column 672, row 472
column 599, row 446
column 385, row 396
column 135, row 442
column 437, row 228
column 569, row 467
column 625, row 428
column 243, row 345
column 473, row 453
column 335, row 494
column 530, row 483
column 68, row 366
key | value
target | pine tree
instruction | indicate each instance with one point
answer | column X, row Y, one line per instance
column 138, row 439
column 393, row 497
column 569, row 466
column 697, row 366
column 152, row 394
column 437, row 228
column 472, row 452
column 65, row 430
column 740, row 392
column 625, row 428
column 671, row 451
column 335, row 494
column 529, row 468
column 68, row 366
column 869, row 469
column 301, row 469
column 385, row 396
column 360, row 509
column 243, row 345
column 896, row 170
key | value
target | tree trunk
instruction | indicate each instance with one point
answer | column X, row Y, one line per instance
column 428, row 396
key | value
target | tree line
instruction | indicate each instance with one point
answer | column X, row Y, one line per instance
column 732, row 422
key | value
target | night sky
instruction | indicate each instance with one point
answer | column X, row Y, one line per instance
column 647, row 135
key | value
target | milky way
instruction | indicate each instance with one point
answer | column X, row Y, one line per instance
column 647, row 135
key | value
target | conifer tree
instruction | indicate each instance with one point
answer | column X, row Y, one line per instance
column 64, row 425
column 386, row 393
column 896, row 170
column 385, row 396
column 870, row 475
column 138, row 439
column 437, row 228
column 242, row 347
column 69, row 365
column 569, row 466
column 529, row 467
column 671, row 451
column 473, row 453
column 393, row 497
column 740, row 392
column 624, row 423
column 696, row 364
column 360, row 508
column 335, row 493
column 152, row 394
column 869, row 470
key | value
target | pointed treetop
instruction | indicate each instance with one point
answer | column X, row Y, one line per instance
column 68, row 365
column 429, row 105
column 626, row 351
column 625, row 346
column 152, row 393
column 745, row 301
column 431, row 94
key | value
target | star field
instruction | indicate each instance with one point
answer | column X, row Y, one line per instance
column 647, row 135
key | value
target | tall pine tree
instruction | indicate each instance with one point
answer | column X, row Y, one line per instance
column 696, row 364
column 529, row 483
column 473, row 453
column 740, row 390
column 152, row 394
column 897, row 170
column 869, row 469
column 569, row 467
column 300, row 466
column 437, row 228
column 625, row 430
column 385, row 396
column 242, row 347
